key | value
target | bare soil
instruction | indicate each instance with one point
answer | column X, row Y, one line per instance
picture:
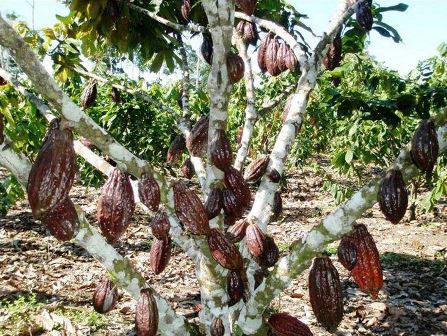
column 46, row 286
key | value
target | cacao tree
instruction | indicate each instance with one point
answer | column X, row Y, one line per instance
column 223, row 229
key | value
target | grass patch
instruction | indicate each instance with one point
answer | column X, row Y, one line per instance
column 83, row 316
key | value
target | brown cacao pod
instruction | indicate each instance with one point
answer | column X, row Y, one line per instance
column 393, row 196
column 367, row 272
column 263, row 50
column 274, row 176
column 188, row 169
column 185, row 9
column 282, row 55
column 235, row 182
column 105, row 296
column 364, row 15
column 231, row 205
column 115, row 95
column 256, row 169
column 250, row 34
column 271, row 57
column 277, row 206
column 3, row 81
column 220, row 151
column 283, row 324
column 217, row 328
column 2, row 130
column 425, row 146
column 116, row 205
column 190, row 210
column 236, row 286
column 62, row 220
column 224, row 251
column 214, row 203
column 207, row 49
column 334, row 53
column 160, row 254
column 52, row 174
column 146, row 314
column 255, row 240
column 347, row 252
column 240, row 27
column 235, row 67
column 88, row 96
column 271, row 253
column 149, row 192
column 247, row 6
column 198, row 138
column 325, row 293
column 160, row 225
column 291, row 61
column 176, row 149
column 237, row 232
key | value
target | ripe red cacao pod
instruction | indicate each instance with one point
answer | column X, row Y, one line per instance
column 220, row 150
column 214, row 203
column 255, row 240
column 115, row 95
column 2, row 130
column 256, row 169
column 271, row 253
column 425, row 146
column 105, row 296
column 291, row 61
column 271, row 57
column 3, row 81
column 231, row 204
column 149, row 192
column 176, row 149
column 236, row 286
column 160, row 254
column 393, row 196
column 217, row 328
column 160, row 225
column 237, row 232
column 207, row 49
column 334, row 54
column 188, row 169
column 198, row 139
column 250, row 34
column 146, row 314
column 116, row 205
column 224, row 251
column 235, row 67
column 282, row 55
column 367, row 272
column 284, row 324
column 62, row 220
column 88, row 96
column 274, row 176
column 190, row 210
column 347, row 252
column 53, row 171
column 262, row 51
column 364, row 15
column 235, row 182
column 247, row 6
column 325, row 293
column 277, row 206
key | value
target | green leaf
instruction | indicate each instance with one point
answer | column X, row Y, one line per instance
column 349, row 156
column 382, row 31
column 394, row 34
column 401, row 7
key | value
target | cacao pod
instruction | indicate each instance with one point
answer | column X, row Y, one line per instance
column 224, row 251
column 231, row 205
column 255, row 240
column 282, row 55
column 188, row 169
column 325, row 293
column 236, row 183
column 283, row 324
column 256, row 169
column 207, row 49
column 88, row 96
column 425, row 146
column 217, row 328
column 262, row 51
column 2, row 130
column 236, row 286
column 115, row 94
column 347, row 252
column 235, row 67
column 52, row 174
column 146, row 314
column 105, row 296
column 62, row 220
column 160, row 254
column 271, row 57
column 240, row 27
column 176, row 149
column 250, row 34
column 277, row 206
column 214, row 203
column 198, row 139
column 334, row 54
column 190, row 210
column 160, row 225
column 274, row 176
column 3, row 81
column 185, row 9
column 291, row 61
column 220, row 150
column 247, row 6
column 229, row 220
column 364, row 15
column 116, row 205
column 271, row 253
column 393, row 196
column 237, row 232
column 367, row 272
column 149, row 192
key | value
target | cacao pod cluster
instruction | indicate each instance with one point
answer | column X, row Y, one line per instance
column 275, row 56
column 393, row 196
column 105, row 296
column 425, row 146
column 334, row 54
column 284, row 324
column 247, row 30
column 364, row 14
column 175, row 151
column 50, row 180
column 88, row 96
column 146, row 314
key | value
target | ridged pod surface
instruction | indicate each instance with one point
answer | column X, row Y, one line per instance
column 53, row 171
column 149, row 192
column 334, row 54
column 160, row 225
column 198, row 138
column 250, row 34
column 282, row 55
column 262, row 51
column 247, row 6
column 325, row 293
column 88, row 96
column 231, row 204
column 425, row 146
column 176, row 149
column 271, row 253
column 235, row 182
column 160, row 254
column 256, row 169
column 237, row 232
column 146, row 314
column 207, row 49
column 235, row 67
column 284, row 324
column 220, row 150
column 277, row 206
column 271, row 57
column 367, row 272
column 255, row 240
column 188, row 169
column 105, row 296
column 217, row 327
column 190, row 210
column 62, row 220
column 214, row 203
column 393, row 196
column 224, row 251
column 236, row 286
column 364, row 15
column 116, row 205
column 347, row 252
column 291, row 61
